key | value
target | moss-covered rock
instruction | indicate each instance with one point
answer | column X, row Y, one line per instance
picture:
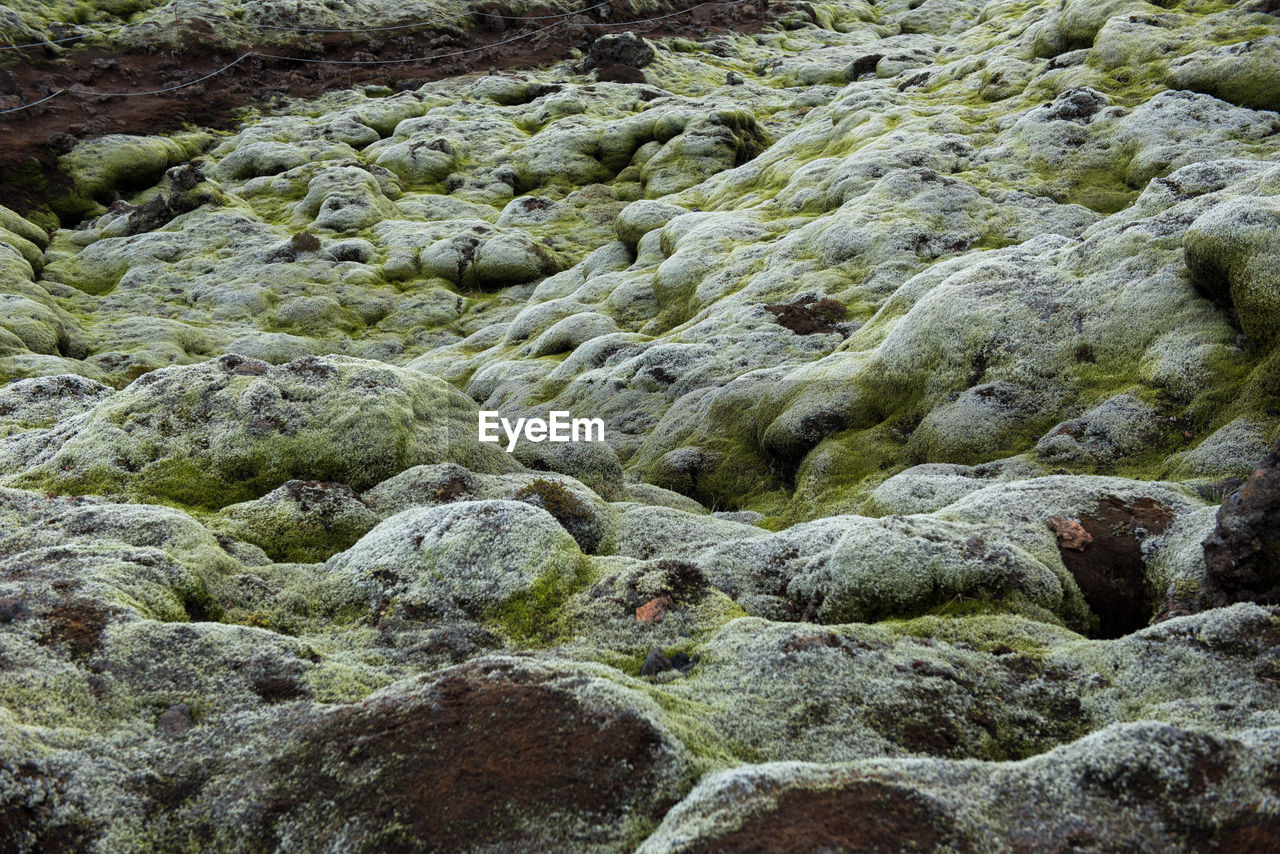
column 116, row 165
column 897, row 312
column 44, row 401
column 578, row 509
column 234, row 429
column 938, row 804
column 1231, row 252
column 469, row 557
column 1246, row 73
column 302, row 521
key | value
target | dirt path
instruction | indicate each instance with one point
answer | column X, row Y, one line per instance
column 31, row 140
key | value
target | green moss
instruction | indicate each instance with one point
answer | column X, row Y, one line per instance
column 95, row 480
column 1100, row 190
column 199, row 604
column 689, row 720
column 1260, row 391
column 189, row 483
column 336, row 682
column 985, row 626
column 106, row 167
column 841, row 472
column 536, row 618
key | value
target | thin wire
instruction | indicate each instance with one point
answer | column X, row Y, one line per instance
column 494, row 44
column 672, row 14
column 236, row 61
column 246, row 55
column 33, row 103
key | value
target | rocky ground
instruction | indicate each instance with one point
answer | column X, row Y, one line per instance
column 938, row 349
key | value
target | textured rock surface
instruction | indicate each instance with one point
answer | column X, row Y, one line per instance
column 937, row 346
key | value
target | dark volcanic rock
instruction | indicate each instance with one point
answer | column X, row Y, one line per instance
column 1083, row 797
column 656, row 662
column 626, row 49
column 478, row 757
column 809, row 315
column 864, row 815
column 1242, row 555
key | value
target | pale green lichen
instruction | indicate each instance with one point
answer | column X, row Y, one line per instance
column 1022, row 208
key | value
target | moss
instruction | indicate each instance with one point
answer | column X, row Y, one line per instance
column 199, row 604
column 337, row 682
column 841, row 472
column 1101, row 190
column 536, row 618
column 991, row 627
column 1260, row 391
column 188, row 483
column 691, row 721
column 738, row 485
column 256, row 619
column 94, row 480
column 110, row 166
column 570, row 512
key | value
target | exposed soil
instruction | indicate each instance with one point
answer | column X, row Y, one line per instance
column 810, row 316
column 78, row 625
column 459, row 766
column 864, row 817
column 455, row 489
column 32, row 140
column 1106, row 560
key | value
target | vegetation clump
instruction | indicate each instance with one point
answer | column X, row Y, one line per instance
column 574, row 515
column 304, row 241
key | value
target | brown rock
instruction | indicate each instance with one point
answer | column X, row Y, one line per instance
column 174, row 721
column 864, row 815
column 1242, row 555
column 1105, row 558
column 1071, row 534
column 653, row 611
column 655, row 662
column 468, row 761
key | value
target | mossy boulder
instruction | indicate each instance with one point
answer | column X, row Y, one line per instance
column 578, row 509
column 44, row 401
column 303, row 521
column 125, row 561
column 593, row 754
column 1232, row 252
column 469, row 558
column 934, row 804
column 1246, row 73
column 233, row 429
column 115, row 165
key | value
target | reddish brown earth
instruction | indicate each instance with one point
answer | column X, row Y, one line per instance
column 1105, row 557
column 809, row 316
column 32, row 140
column 79, row 626
column 863, row 817
column 466, row 763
